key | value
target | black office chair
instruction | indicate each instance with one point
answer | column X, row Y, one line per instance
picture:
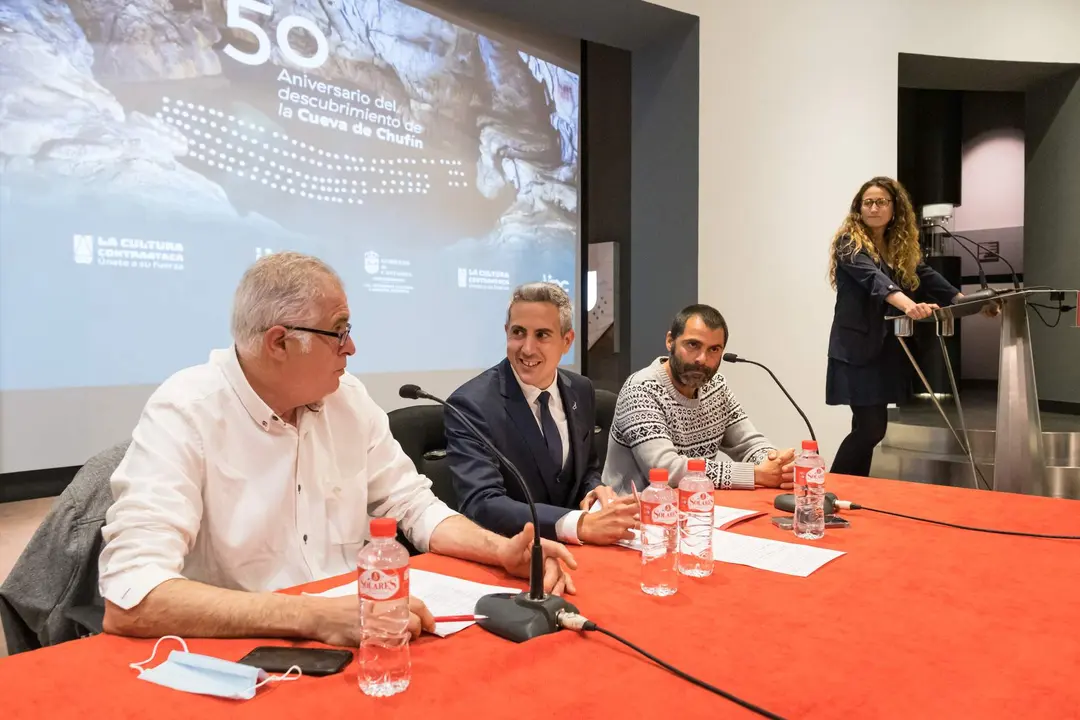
column 420, row 432
column 605, row 415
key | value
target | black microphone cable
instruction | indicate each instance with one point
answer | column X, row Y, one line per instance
column 575, row 621
column 1017, row 533
column 786, row 503
column 1061, row 309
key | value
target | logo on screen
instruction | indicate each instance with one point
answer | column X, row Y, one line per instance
column 84, row 249
column 462, row 277
column 371, row 262
column 549, row 278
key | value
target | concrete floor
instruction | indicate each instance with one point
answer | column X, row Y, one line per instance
column 980, row 411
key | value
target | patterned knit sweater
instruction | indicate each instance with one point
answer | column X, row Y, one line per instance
column 656, row 426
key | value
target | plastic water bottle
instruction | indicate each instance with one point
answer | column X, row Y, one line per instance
column 659, row 536
column 695, row 521
column 809, row 521
column 382, row 569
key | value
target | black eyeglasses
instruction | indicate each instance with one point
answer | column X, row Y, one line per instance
column 342, row 337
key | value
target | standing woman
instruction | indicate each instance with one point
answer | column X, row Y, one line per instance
column 875, row 261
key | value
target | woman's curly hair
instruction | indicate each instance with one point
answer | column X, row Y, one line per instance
column 902, row 253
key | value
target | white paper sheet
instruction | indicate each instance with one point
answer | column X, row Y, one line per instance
column 772, row 555
column 727, row 516
column 443, row 595
column 634, row 544
column 722, row 517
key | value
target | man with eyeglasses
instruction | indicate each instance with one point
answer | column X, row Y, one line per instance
column 259, row 470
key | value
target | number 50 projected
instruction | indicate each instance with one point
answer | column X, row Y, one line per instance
column 262, row 53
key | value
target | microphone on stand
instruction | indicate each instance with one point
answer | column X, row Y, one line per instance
column 733, row 358
column 984, row 248
column 522, row 616
column 986, row 289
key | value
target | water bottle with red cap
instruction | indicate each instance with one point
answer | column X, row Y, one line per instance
column 809, row 522
column 382, row 573
column 659, row 536
column 695, row 521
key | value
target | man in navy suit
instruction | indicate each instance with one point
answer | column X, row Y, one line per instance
column 542, row 419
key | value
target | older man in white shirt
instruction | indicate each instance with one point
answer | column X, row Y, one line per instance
column 259, row 470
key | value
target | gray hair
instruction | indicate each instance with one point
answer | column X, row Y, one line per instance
column 545, row 292
column 279, row 289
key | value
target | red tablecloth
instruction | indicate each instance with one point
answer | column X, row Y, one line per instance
column 915, row 621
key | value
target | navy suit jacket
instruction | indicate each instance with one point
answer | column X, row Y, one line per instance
column 859, row 328
column 486, row 492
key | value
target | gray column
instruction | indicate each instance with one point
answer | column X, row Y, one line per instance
column 664, row 188
column 1052, row 228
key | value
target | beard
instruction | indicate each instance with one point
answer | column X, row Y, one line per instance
column 690, row 375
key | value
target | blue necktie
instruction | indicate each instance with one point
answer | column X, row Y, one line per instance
column 550, row 430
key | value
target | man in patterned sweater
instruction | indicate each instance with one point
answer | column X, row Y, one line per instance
column 679, row 408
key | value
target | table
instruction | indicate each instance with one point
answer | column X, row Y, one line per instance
column 916, row 621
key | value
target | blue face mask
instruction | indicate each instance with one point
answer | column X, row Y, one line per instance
column 206, row 675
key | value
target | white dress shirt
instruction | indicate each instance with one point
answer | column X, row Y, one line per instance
column 566, row 527
column 216, row 488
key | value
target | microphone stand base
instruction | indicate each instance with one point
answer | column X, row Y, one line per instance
column 519, row 617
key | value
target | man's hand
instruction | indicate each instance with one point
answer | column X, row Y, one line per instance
column 515, row 553
column 603, row 493
column 611, row 524
column 778, row 471
column 420, row 618
column 336, row 621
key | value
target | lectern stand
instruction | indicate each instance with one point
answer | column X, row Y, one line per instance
column 1019, row 461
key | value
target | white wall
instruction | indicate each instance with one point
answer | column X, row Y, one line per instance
column 991, row 209
column 992, row 177
column 798, row 108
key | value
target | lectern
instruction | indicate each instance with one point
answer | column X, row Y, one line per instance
column 1019, row 460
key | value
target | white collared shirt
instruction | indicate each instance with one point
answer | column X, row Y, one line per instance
column 216, row 488
column 566, row 527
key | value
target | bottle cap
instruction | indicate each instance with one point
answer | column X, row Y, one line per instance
column 658, row 475
column 695, row 465
column 809, row 445
column 383, row 527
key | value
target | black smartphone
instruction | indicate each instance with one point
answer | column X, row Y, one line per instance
column 784, row 522
column 316, row 662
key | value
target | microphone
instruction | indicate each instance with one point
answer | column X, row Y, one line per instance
column 786, row 503
column 984, row 248
column 522, row 616
column 978, row 263
column 733, row 358
column 987, row 293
